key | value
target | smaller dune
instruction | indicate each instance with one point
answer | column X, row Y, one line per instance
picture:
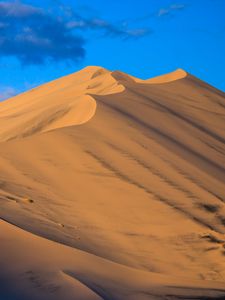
column 173, row 76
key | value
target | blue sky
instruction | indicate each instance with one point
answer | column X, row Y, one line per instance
column 41, row 40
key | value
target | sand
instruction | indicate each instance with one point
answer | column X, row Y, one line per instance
column 170, row 77
column 115, row 189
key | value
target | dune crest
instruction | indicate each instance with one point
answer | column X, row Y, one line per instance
column 66, row 101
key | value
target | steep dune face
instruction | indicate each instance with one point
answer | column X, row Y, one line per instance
column 133, row 173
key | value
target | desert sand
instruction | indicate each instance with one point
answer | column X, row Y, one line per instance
column 112, row 187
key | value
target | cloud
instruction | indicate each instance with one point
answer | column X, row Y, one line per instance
column 7, row 92
column 34, row 35
column 170, row 9
column 17, row 9
column 98, row 24
column 107, row 28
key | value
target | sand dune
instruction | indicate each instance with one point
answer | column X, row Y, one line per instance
column 119, row 184
column 173, row 76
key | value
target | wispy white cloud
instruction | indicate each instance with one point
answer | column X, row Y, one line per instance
column 164, row 11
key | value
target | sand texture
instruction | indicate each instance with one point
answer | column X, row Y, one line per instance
column 113, row 188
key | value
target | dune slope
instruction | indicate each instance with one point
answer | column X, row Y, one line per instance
column 67, row 273
column 130, row 172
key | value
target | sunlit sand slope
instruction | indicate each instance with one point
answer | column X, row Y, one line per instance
column 60, row 103
column 130, row 172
